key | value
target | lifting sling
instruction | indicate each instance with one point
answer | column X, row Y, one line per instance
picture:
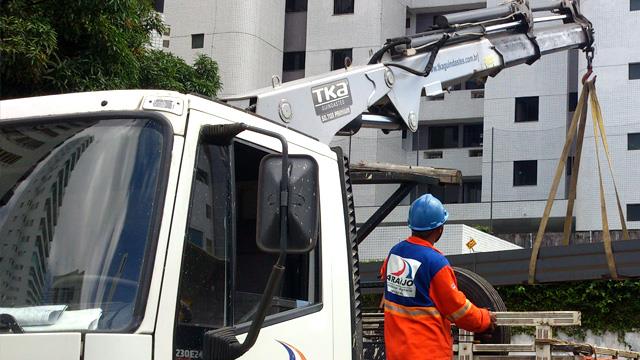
column 577, row 127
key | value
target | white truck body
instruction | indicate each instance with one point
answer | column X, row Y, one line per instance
column 154, row 336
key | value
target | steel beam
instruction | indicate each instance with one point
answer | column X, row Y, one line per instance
column 384, row 210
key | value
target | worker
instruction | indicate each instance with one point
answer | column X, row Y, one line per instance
column 421, row 296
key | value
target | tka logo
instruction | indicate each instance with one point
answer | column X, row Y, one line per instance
column 400, row 275
column 332, row 100
column 330, row 92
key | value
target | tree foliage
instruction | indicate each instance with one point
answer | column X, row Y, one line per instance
column 59, row 46
column 606, row 305
column 167, row 71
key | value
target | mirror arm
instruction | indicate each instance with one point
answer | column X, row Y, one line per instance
column 278, row 269
column 223, row 345
column 225, row 341
column 272, row 284
column 284, row 190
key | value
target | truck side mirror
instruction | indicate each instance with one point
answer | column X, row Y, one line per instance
column 291, row 185
column 302, row 229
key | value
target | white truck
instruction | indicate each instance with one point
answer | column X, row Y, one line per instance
column 145, row 224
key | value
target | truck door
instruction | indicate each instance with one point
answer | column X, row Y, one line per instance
column 215, row 273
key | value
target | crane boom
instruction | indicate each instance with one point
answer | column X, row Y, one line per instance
column 386, row 92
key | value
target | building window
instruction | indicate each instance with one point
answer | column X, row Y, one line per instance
column 158, row 5
column 338, row 57
column 473, row 85
column 21, row 139
column 419, row 138
column 432, row 155
column 197, row 41
column 475, row 153
column 293, row 61
column 634, row 5
column 202, row 176
column 342, row 7
column 165, row 43
column 468, row 85
column 633, row 141
column 448, row 136
column 472, row 191
column 633, row 212
column 525, row 172
column 527, row 108
column 296, row 6
column 634, row 71
column 472, row 135
column 407, row 23
column 8, row 158
column 572, row 101
column 447, row 193
column 569, row 169
column 439, row 97
column 443, row 137
column 195, row 237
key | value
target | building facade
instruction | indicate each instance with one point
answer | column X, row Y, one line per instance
column 505, row 135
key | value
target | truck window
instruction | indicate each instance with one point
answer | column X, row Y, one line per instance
column 79, row 198
column 223, row 272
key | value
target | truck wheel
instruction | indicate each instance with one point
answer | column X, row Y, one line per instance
column 480, row 292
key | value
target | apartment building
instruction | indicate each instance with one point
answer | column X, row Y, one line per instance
column 505, row 135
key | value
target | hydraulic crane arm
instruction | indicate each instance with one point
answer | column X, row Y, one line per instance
column 386, row 94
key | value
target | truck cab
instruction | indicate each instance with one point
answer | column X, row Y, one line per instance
column 140, row 237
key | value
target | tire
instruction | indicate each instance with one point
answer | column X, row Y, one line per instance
column 480, row 292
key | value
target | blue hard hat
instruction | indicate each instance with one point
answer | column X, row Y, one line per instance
column 427, row 213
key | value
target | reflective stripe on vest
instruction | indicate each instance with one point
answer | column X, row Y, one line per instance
column 406, row 311
column 460, row 312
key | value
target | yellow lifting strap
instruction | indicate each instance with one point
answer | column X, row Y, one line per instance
column 578, row 122
column 596, row 112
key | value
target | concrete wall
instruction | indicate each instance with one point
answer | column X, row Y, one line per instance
column 457, row 158
column 364, row 148
column 540, row 140
column 453, row 240
column 472, row 213
column 368, row 27
column 326, row 31
column 247, row 48
column 456, row 105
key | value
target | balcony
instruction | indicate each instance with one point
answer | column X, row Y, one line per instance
column 460, row 159
column 459, row 104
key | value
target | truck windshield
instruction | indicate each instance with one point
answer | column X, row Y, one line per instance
column 77, row 202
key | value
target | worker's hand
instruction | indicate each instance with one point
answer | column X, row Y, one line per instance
column 493, row 319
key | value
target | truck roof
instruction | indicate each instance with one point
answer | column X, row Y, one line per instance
column 173, row 105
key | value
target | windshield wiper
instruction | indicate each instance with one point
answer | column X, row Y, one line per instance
column 9, row 324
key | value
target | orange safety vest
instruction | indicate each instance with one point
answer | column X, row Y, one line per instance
column 421, row 299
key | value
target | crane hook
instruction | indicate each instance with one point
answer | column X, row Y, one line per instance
column 589, row 55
